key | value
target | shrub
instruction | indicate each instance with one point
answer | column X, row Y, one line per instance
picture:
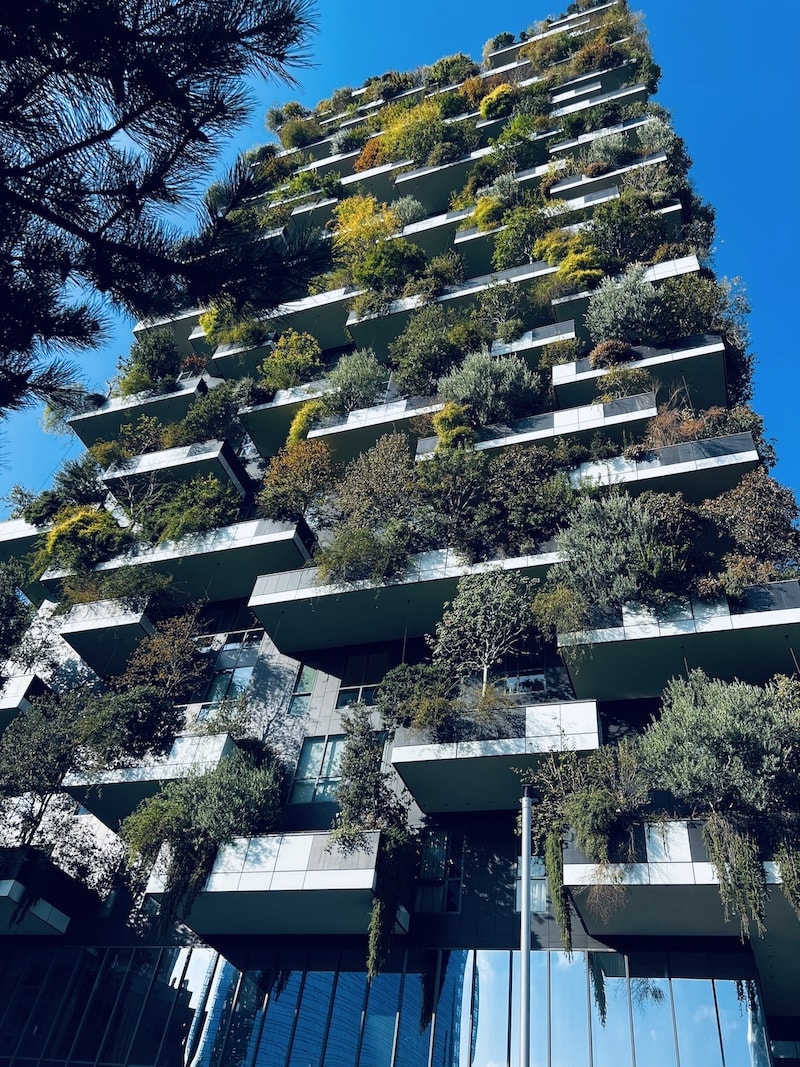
column 623, row 381
column 356, row 381
column 760, row 516
column 408, row 210
column 362, row 554
column 153, row 363
column 372, row 155
column 223, row 327
column 522, row 228
column 440, row 273
column 360, row 223
column 474, row 89
column 79, row 538
column 305, row 418
column 499, row 101
column 452, row 426
column 611, row 352
column 492, row 388
column 299, row 132
column 449, row 70
column 295, row 358
column 547, row 50
column 348, row 140
column 488, row 213
column 558, row 352
column 502, row 309
column 426, row 349
column 443, row 153
column 411, row 133
column 211, row 417
column 196, row 506
column 388, row 266
column 630, row 310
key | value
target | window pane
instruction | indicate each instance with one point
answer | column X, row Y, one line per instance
column 326, row 790
column 310, row 761
column 299, row 705
column 347, row 697
column 302, row 793
column 348, row 1003
column 309, row 1033
column 653, row 1033
column 333, row 757
column 413, row 1036
column 696, row 1019
column 608, row 1003
column 568, row 1008
column 305, row 680
column 240, row 679
column 220, row 684
column 354, row 670
column 490, row 1008
column 379, row 1021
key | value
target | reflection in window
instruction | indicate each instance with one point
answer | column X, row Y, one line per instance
column 301, row 694
column 233, row 658
column 318, row 770
column 362, row 675
column 441, row 872
column 538, row 887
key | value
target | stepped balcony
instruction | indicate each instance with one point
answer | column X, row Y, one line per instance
column 572, row 22
column 16, row 693
column 347, row 436
column 175, row 465
column 105, row 422
column 17, row 538
column 302, row 615
column 238, row 361
column 268, row 424
column 629, row 94
column 37, row 898
column 324, row 315
column 479, row 772
column 316, row 213
column 695, row 363
column 105, row 633
column 114, row 794
column 618, row 419
column 576, row 185
column 181, row 326
column 437, row 233
column 284, row 884
column 433, row 186
column 608, row 80
column 698, row 469
column 341, row 162
column 750, row 638
column 380, row 181
column 377, row 331
column 630, row 126
column 221, row 564
column 574, row 305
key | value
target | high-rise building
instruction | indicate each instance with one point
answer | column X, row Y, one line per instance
column 487, row 505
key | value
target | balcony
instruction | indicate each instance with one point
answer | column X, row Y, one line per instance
column 239, row 361
column 181, row 326
column 301, row 615
column 696, row 363
column 698, row 469
column 481, row 775
column 379, row 181
column 751, row 639
column 629, row 95
column 16, row 693
column 607, row 80
column 433, row 186
column 219, row 565
column 112, row 795
column 17, row 538
column 104, row 423
column 617, row 419
column 268, row 424
column 324, row 315
column 287, row 884
column 580, row 184
column 437, row 233
column 105, row 633
column 347, row 436
column 377, row 331
column 37, row 898
column 629, row 125
column 175, row 465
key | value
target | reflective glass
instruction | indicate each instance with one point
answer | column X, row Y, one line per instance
column 312, row 1019
column 743, row 1038
column 379, row 1022
column 569, row 1009
column 281, row 1006
column 608, row 1004
column 446, row 1038
column 343, row 1034
column 696, row 1021
column 416, row 1005
column 653, row 1031
column 490, row 1008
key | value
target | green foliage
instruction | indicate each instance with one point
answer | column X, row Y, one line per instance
column 760, row 516
column 389, row 266
column 295, row 358
column 488, row 213
column 557, row 353
column 452, row 426
column 356, row 381
column 211, row 417
column 407, row 210
column 489, row 617
column 152, row 364
column 440, row 273
column 554, row 866
column 499, row 101
column 358, row 553
column 76, row 483
column 492, row 388
column 412, row 132
column 193, row 816
column 297, row 132
column 523, row 226
column 79, row 538
column 169, row 658
column 625, row 230
column 502, row 308
column 630, row 310
column 306, row 417
column 201, row 504
column 296, row 481
column 449, row 70
column 222, row 326
column 623, row 381
column 419, row 696
column 428, row 346
column 378, row 485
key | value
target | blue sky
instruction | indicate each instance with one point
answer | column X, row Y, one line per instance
column 729, row 72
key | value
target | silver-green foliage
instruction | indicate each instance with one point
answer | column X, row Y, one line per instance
column 492, row 387
column 356, row 381
column 628, row 309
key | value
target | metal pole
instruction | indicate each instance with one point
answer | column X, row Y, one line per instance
column 525, row 934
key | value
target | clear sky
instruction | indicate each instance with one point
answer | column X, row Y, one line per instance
column 730, row 83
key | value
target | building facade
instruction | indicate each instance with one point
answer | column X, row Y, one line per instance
column 532, row 213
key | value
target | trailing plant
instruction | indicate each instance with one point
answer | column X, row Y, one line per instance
column 182, row 827
column 75, row 484
column 559, row 896
column 307, row 415
column 79, row 538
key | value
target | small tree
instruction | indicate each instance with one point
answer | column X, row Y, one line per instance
column 493, row 388
column 489, row 617
column 629, row 309
column 760, row 515
column 294, row 359
column 297, row 481
column 356, row 381
column 169, row 658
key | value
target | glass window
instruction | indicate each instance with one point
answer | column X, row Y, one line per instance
column 318, row 770
column 361, row 676
column 232, row 657
column 441, row 872
column 539, row 904
column 301, row 694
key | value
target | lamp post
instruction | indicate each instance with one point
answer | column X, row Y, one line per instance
column 525, row 934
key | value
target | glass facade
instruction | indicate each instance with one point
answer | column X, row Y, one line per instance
column 189, row 1007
